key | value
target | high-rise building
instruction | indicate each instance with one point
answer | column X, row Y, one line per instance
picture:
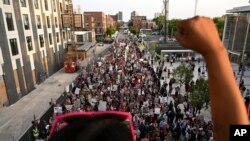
column 32, row 45
column 119, row 16
column 158, row 14
column 133, row 14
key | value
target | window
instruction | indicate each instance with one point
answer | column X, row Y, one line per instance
column 36, row 4
column 56, row 22
column 48, row 22
column 29, row 43
column 41, row 41
column 23, row 3
column 46, row 5
column 38, row 19
column 57, row 37
column 54, row 6
column 26, row 21
column 6, row 2
column 14, row 48
column 9, row 21
column 50, row 39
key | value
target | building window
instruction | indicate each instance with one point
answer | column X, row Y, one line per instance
column 38, row 20
column 26, row 21
column 57, row 37
column 9, row 21
column 6, row 2
column 14, row 48
column 36, row 4
column 23, row 3
column 29, row 43
column 54, row 5
column 48, row 22
column 46, row 5
column 56, row 24
column 50, row 39
column 41, row 41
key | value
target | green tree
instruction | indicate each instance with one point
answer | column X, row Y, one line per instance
column 182, row 74
column 159, row 22
column 130, row 23
column 134, row 30
column 172, row 27
column 110, row 31
column 199, row 95
column 219, row 22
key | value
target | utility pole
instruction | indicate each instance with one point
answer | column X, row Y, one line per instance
column 166, row 7
column 195, row 8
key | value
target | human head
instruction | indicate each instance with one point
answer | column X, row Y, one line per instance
column 94, row 129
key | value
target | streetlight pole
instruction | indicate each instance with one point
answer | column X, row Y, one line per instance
column 195, row 8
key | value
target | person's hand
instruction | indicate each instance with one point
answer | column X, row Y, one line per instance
column 200, row 35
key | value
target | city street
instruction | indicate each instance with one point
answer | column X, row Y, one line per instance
column 17, row 118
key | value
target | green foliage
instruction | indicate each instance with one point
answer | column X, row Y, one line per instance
column 219, row 22
column 159, row 22
column 182, row 74
column 110, row 31
column 130, row 23
column 134, row 30
column 199, row 95
column 119, row 24
column 172, row 27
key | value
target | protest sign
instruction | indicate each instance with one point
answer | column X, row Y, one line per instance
column 157, row 111
column 102, row 105
column 77, row 91
column 58, row 110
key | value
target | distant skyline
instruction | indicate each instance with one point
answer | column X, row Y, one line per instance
column 180, row 9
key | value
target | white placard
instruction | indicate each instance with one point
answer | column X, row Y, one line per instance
column 157, row 111
column 68, row 107
column 77, row 91
column 115, row 87
column 90, row 87
column 67, row 89
column 165, row 99
column 102, row 105
column 58, row 110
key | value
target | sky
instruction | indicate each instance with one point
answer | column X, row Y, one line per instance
column 180, row 9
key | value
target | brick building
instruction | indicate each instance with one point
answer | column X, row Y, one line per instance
column 99, row 22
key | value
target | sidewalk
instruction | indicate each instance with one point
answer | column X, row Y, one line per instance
column 17, row 118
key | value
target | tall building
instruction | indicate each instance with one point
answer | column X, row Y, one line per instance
column 158, row 14
column 32, row 45
column 133, row 14
column 119, row 16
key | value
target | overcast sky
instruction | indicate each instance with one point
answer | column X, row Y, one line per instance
column 177, row 8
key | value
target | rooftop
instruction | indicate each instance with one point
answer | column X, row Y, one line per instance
column 241, row 9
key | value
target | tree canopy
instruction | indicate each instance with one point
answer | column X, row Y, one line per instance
column 199, row 95
column 110, row 31
column 134, row 30
column 182, row 74
column 219, row 22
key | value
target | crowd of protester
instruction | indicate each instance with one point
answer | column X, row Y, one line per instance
column 128, row 79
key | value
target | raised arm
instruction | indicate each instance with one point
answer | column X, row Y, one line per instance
column 201, row 35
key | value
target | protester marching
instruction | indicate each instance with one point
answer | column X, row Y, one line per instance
column 130, row 80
